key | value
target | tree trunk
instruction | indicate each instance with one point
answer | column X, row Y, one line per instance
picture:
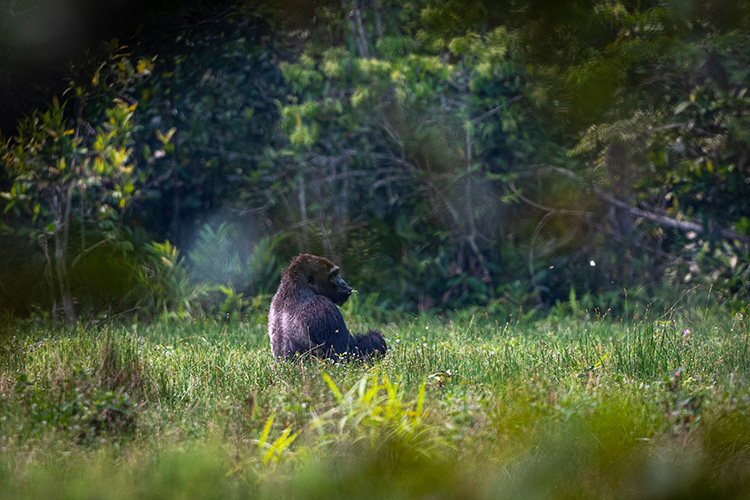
column 301, row 198
column 62, row 278
column 61, row 217
column 49, row 277
column 327, row 247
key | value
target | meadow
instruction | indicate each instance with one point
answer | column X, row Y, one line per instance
column 579, row 406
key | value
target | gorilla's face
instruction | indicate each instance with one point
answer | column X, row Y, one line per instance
column 324, row 279
column 339, row 290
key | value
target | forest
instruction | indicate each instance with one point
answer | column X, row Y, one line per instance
column 543, row 207
column 519, row 158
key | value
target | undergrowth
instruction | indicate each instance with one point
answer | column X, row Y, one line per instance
column 463, row 408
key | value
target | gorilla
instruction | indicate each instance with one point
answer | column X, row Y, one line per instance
column 304, row 318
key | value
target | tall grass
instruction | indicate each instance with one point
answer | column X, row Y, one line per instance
column 462, row 408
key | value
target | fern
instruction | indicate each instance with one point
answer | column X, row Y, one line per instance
column 215, row 259
column 597, row 137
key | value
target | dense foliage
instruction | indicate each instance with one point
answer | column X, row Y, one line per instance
column 510, row 156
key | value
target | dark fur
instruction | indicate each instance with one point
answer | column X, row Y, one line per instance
column 304, row 318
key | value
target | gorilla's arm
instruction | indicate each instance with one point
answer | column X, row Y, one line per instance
column 325, row 324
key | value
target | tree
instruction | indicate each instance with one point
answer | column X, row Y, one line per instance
column 422, row 130
column 72, row 170
column 584, row 133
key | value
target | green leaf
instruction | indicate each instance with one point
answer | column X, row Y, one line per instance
column 332, row 385
column 681, row 107
column 266, row 431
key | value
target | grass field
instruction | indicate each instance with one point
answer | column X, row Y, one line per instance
column 464, row 408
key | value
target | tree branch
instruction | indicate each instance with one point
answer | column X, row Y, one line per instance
column 148, row 185
column 496, row 109
column 355, row 26
column 558, row 211
column 663, row 220
column 660, row 219
column 232, row 155
column 88, row 250
column 360, row 29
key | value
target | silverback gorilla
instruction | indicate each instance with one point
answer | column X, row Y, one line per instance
column 304, row 318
